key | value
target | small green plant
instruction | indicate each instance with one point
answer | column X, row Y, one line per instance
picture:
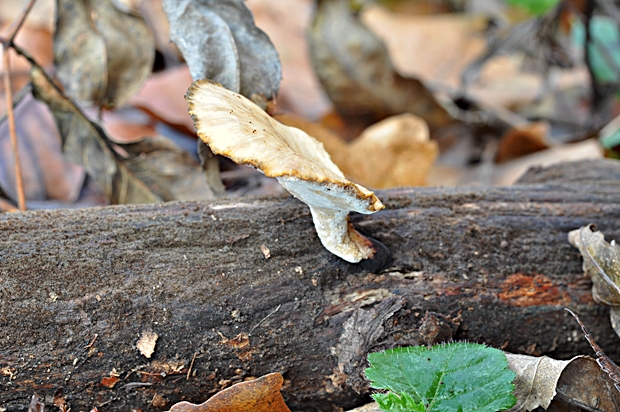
column 536, row 7
column 457, row 376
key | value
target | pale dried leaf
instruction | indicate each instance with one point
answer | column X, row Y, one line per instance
column 536, row 380
column 394, row 152
column 266, row 251
column 146, row 343
column 219, row 41
column 236, row 128
column 369, row 407
column 102, row 54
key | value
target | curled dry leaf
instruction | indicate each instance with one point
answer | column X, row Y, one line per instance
column 219, row 41
column 601, row 261
column 539, row 380
column 102, row 54
column 259, row 395
column 85, row 143
column 354, row 67
column 236, row 128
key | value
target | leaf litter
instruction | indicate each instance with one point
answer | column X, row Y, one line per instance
column 142, row 148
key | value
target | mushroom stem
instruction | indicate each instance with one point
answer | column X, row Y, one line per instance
column 339, row 236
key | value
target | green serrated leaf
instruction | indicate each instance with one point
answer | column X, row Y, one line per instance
column 394, row 403
column 457, row 376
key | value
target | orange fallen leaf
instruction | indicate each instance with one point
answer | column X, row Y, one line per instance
column 109, row 381
column 523, row 140
column 260, row 395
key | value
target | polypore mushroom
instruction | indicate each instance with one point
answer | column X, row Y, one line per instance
column 235, row 127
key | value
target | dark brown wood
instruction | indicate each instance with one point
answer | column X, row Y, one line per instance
column 79, row 287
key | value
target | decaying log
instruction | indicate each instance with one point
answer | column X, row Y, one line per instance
column 78, row 288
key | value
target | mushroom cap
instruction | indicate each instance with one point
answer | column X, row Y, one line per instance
column 235, row 127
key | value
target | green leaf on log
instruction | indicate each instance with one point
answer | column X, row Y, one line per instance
column 457, row 376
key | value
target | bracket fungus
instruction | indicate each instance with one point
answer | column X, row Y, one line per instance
column 235, row 127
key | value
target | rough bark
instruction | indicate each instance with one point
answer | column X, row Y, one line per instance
column 79, row 287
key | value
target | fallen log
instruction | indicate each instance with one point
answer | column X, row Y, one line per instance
column 84, row 292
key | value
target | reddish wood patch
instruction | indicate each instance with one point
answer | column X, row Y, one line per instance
column 531, row 290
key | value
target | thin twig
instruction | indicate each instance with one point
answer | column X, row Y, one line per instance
column 17, row 23
column 7, row 41
column 19, row 181
column 265, row 318
column 191, row 365
column 92, row 342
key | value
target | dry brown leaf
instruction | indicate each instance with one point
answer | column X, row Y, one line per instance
column 435, row 48
column 102, row 55
column 260, row 395
column 523, row 140
column 235, row 127
column 146, row 343
column 605, row 363
column 126, row 125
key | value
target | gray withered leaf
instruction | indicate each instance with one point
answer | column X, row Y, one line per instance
column 102, row 54
column 220, row 42
column 169, row 171
column 601, row 261
column 85, row 143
